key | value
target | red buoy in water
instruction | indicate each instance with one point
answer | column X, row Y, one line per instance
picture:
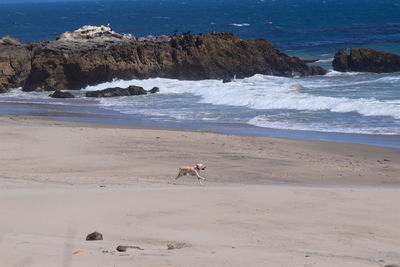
column 270, row 22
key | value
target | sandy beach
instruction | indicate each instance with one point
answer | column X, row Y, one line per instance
column 266, row 201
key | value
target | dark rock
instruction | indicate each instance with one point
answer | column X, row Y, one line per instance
column 94, row 236
column 136, row 90
column 317, row 70
column 392, row 265
column 109, row 92
column 308, row 61
column 226, row 80
column 117, row 91
column 340, row 62
column 154, row 90
column 60, row 94
column 366, row 60
column 95, row 55
column 64, row 65
column 122, row 248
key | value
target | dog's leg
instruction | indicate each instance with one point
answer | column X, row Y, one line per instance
column 179, row 175
column 199, row 177
column 203, row 178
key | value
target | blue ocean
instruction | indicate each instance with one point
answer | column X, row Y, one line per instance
column 352, row 107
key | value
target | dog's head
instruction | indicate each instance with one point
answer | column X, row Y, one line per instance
column 200, row 166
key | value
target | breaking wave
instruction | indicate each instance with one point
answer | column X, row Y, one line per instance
column 261, row 92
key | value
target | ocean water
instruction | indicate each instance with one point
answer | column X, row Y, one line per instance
column 344, row 103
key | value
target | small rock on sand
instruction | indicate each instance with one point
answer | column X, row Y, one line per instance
column 94, row 236
column 122, row 248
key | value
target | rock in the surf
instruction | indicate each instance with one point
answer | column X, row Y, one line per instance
column 317, row 70
column 117, row 91
column 154, row 90
column 61, row 94
column 366, row 60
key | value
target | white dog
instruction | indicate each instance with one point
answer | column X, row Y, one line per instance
column 193, row 171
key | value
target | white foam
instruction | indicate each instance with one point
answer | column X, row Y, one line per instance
column 239, row 24
column 263, row 121
column 391, row 79
column 262, row 92
column 338, row 73
column 19, row 96
column 324, row 60
column 18, row 93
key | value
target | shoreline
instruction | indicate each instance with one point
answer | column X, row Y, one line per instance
column 242, row 158
column 99, row 115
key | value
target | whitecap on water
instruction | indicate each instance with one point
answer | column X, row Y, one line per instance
column 239, row 24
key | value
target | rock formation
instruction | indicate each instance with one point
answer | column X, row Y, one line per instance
column 154, row 90
column 317, row 70
column 97, row 34
column 94, row 236
column 92, row 55
column 366, row 60
column 61, row 94
column 117, row 91
column 15, row 63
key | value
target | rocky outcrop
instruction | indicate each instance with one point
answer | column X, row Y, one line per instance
column 340, row 62
column 15, row 63
column 61, row 94
column 117, row 91
column 9, row 40
column 317, row 70
column 94, row 33
column 92, row 55
column 366, row 60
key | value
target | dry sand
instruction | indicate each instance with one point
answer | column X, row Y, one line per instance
column 267, row 202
